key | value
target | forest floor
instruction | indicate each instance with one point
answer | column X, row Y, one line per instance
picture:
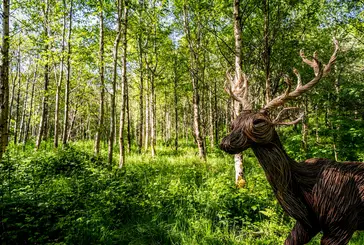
column 67, row 196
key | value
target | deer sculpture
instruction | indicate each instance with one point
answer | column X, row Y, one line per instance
column 320, row 194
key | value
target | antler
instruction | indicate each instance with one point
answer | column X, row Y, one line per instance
column 319, row 70
column 238, row 90
column 279, row 119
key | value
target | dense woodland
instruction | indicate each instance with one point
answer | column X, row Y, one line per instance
column 112, row 113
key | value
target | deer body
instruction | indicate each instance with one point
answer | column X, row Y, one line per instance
column 322, row 195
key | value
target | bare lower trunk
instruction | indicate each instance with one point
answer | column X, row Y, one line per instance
column 69, row 133
column 16, row 128
column 28, row 125
column 25, row 105
column 147, row 115
column 153, row 119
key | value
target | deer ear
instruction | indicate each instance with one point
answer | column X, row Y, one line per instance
column 264, row 112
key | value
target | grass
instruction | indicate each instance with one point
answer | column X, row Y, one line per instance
column 68, row 196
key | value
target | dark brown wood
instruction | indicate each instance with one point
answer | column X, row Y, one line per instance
column 321, row 194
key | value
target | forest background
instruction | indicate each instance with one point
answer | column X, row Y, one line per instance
column 116, row 109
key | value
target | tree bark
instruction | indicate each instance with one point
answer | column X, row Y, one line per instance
column 238, row 158
column 175, row 80
column 194, row 69
column 124, row 92
column 102, row 85
column 24, row 109
column 26, row 131
column 267, row 51
column 43, row 120
column 114, row 77
column 60, row 80
column 4, row 76
column 16, row 128
column 67, row 86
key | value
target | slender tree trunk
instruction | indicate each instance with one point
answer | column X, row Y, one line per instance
column 175, row 103
column 141, row 95
column 102, row 86
column 67, row 85
column 124, row 93
column 317, row 124
column 153, row 118
column 216, row 114
column 28, row 125
column 43, row 124
column 267, row 51
column 69, row 133
column 16, row 128
column 128, row 116
column 147, row 112
column 238, row 158
column 305, row 127
column 113, row 94
column 12, row 95
column 211, row 119
column 24, row 109
column 4, row 76
column 194, row 69
column 59, row 83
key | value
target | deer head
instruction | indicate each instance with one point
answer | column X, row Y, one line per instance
column 257, row 128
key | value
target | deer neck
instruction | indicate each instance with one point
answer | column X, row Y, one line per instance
column 276, row 163
column 278, row 168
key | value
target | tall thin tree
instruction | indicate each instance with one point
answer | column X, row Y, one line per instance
column 43, row 123
column 114, row 77
column 67, row 85
column 4, row 76
column 100, row 121
column 124, row 92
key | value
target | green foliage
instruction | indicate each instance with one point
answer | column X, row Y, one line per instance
column 70, row 197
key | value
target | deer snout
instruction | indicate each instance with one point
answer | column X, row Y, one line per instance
column 234, row 145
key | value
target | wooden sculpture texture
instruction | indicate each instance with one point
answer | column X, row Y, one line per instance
column 320, row 194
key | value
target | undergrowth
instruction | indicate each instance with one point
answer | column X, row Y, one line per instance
column 68, row 196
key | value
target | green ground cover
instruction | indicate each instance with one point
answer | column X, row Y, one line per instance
column 70, row 197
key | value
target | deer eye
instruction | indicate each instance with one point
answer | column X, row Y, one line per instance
column 259, row 122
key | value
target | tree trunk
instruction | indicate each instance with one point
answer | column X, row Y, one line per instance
column 147, row 111
column 102, row 86
column 114, row 77
column 26, row 131
column 305, row 127
column 238, row 158
column 59, row 83
column 4, row 76
column 67, row 86
column 16, row 128
column 267, row 51
column 175, row 103
column 72, row 124
column 124, row 91
column 194, row 69
column 43, row 123
column 24, row 109
column 216, row 114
